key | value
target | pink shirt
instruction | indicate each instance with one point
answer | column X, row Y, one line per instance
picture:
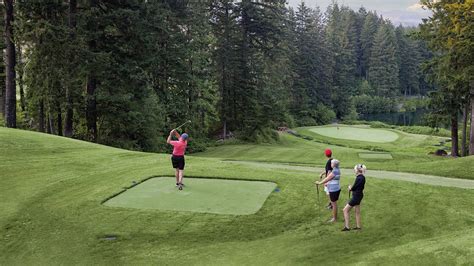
column 179, row 147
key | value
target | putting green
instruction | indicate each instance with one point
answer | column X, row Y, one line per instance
column 199, row 195
column 375, row 155
column 356, row 133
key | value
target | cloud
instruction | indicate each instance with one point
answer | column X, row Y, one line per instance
column 415, row 7
column 403, row 17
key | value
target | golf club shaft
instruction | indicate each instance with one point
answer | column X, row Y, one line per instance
column 317, row 189
column 182, row 124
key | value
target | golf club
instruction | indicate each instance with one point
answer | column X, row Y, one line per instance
column 319, row 201
column 189, row 121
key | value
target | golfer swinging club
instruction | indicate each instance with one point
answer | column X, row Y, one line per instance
column 177, row 159
column 357, row 195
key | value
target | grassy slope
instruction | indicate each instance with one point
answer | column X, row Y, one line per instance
column 410, row 154
column 51, row 189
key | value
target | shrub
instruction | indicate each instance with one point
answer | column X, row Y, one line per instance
column 441, row 132
column 323, row 114
column 366, row 104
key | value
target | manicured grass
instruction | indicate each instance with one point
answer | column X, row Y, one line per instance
column 51, row 191
column 380, row 174
column 356, row 133
column 410, row 153
column 220, row 196
column 375, row 155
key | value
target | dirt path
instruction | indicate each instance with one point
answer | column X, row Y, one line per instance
column 409, row 177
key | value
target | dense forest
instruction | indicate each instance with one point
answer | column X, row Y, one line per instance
column 124, row 73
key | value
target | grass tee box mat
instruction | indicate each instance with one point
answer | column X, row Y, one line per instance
column 218, row 196
column 356, row 133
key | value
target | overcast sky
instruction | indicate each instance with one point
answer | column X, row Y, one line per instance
column 406, row 12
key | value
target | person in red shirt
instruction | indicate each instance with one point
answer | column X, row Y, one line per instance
column 325, row 173
column 177, row 159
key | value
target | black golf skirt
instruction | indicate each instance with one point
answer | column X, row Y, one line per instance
column 334, row 196
column 356, row 199
column 178, row 162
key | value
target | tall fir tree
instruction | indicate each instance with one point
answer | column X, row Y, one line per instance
column 383, row 73
column 367, row 35
column 341, row 39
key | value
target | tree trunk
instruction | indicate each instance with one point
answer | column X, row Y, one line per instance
column 10, row 60
column 454, row 135
column 471, row 135
column 91, row 106
column 224, row 136
column 60, row 118
column 2, row 100
column 465, row 119
column 20, row 80
column 69, row 122
column 49, row 127
column 91, row 112
column 41, row 117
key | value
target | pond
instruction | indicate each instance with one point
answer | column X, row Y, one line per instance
column 400, row 119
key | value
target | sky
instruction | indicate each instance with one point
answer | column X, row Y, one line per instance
column 405, row 12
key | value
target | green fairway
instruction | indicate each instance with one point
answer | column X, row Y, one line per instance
column 52, row 189
column 409, row 177
column 356, row 133
column 376, row 155
column 200, row 195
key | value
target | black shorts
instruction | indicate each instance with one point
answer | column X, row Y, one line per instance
column 178, row 162
column 334, row 196
column 356, row 199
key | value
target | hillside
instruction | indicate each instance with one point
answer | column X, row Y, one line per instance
column 51, row 190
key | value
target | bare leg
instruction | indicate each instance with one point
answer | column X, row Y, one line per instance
column 334, row 210
column 357, row 212
column 347, row 215
column 180, row 174
column 176, row 174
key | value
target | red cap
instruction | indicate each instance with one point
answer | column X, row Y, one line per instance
column 328, row 152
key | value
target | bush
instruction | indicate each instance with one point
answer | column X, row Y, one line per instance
column 198, row 145
column 323, row 115
column 366, row 104
column 422, row 130
column 377, row 124
column 413, row 104
column 320, row 115
column 306, row 121
column 265, row 135
column 352, row 115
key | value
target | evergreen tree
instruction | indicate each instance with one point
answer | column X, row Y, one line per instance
column 383, row 73
column 10, row 61
column 124, row 72
column 310, row 87
column 450, row 32
column 2, row 65
column 367, row 35
column 408, row 61
column 225, row 56
column 341, row 40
